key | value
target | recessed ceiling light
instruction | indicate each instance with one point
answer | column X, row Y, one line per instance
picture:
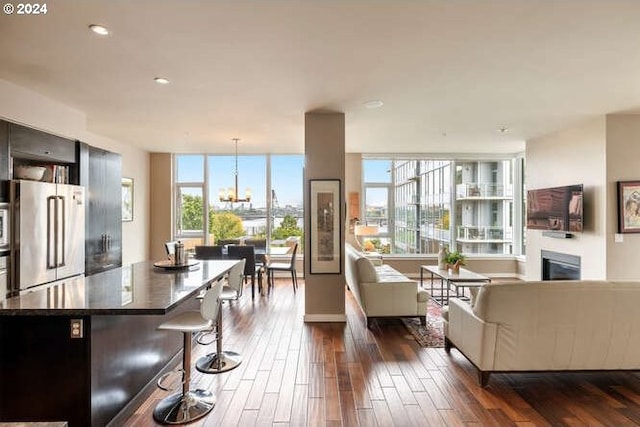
column 161, row 81
column 374, row 103
column 99, row 29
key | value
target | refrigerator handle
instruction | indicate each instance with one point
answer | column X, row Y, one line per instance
column 63, row 233
column 51, row 233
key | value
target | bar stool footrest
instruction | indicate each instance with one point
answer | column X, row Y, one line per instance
column 161, row 380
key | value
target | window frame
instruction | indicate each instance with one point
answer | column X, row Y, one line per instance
column 515, row 206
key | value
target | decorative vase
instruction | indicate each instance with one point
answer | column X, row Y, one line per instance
column 442, row 254
column 455, row 268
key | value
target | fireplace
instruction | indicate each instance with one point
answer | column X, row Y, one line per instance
column 559, row 266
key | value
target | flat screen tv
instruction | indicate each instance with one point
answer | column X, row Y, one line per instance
column 555, row 209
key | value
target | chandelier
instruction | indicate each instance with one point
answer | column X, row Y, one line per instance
column 231, row 194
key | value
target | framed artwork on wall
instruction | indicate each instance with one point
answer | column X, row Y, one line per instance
column 326, row 234
column 628, row 206
column 127, row 199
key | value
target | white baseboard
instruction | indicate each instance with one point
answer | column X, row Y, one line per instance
column 312, row 318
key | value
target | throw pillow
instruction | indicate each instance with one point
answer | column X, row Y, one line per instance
column 366, row 271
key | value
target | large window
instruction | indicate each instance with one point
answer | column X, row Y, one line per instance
column 287, row 208
column 272, row 183
column 377, row 204
column 189, row 194
column 463, row 204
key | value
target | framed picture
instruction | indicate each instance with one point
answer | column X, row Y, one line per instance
column 629, row 206
column 127, row 199
column 326, row 234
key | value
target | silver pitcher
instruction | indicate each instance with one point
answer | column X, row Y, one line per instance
column 178, row 258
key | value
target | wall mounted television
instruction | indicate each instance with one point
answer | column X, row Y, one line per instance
column 556, row 209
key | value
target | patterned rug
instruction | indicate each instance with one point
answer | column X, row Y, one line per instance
column 430, row 335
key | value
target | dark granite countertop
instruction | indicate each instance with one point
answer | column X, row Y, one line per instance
column 139, row 288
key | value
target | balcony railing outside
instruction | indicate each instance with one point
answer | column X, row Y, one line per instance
column 478, row 190
column 483, row 234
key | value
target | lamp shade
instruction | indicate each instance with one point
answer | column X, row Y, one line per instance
column 365, row 230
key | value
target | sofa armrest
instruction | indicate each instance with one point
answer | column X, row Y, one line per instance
column 390, row 298
column 376, row 261
column 474, row 337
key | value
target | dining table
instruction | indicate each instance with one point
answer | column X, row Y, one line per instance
column 263, row 256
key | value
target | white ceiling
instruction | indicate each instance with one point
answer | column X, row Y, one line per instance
column 450, row 72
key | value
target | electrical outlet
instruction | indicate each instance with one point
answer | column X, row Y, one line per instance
column 76, row 328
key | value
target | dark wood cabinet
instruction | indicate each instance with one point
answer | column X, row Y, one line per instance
column 100, row 173
column 5, row 164
column 28, row 143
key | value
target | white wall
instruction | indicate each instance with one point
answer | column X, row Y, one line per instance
column 572, row 156
column 29, row 108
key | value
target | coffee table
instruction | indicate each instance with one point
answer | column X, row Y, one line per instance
column 461, row 280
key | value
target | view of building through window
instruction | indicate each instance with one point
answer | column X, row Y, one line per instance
column 420, row 205
column 272, row 184
column 415, row 205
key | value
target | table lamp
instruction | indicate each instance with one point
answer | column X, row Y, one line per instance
column 364, row 230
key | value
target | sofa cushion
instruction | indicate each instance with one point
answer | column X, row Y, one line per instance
column 386, row 273
column 366, row 270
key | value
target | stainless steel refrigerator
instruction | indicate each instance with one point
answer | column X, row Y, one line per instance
column 47, row 239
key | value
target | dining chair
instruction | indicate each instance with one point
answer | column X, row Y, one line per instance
column 282, row 266
column 248, row 253
column 208, row 252
column 258, row 243
column 225, row 242
column 261, row 256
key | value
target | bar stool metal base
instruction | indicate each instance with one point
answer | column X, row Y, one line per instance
column 182, row 409
column 209, row 364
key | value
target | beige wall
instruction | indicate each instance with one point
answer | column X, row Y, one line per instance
column 572, row 156
column 26, row 107
column 622, row 160
column 161, row 190
column 324, row 159
column 352, row 183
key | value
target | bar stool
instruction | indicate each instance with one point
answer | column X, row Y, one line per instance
column 189, row 405
column 224, row 360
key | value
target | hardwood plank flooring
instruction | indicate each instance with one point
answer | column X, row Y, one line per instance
column 343, row 374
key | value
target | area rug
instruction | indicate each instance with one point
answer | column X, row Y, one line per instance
column 430, row 335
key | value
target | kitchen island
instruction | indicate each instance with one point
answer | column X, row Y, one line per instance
column 82, row 350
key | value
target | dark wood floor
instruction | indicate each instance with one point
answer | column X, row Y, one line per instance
column 334, row 374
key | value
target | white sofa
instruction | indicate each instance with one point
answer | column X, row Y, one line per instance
column 381, row 290
column 547, row 326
